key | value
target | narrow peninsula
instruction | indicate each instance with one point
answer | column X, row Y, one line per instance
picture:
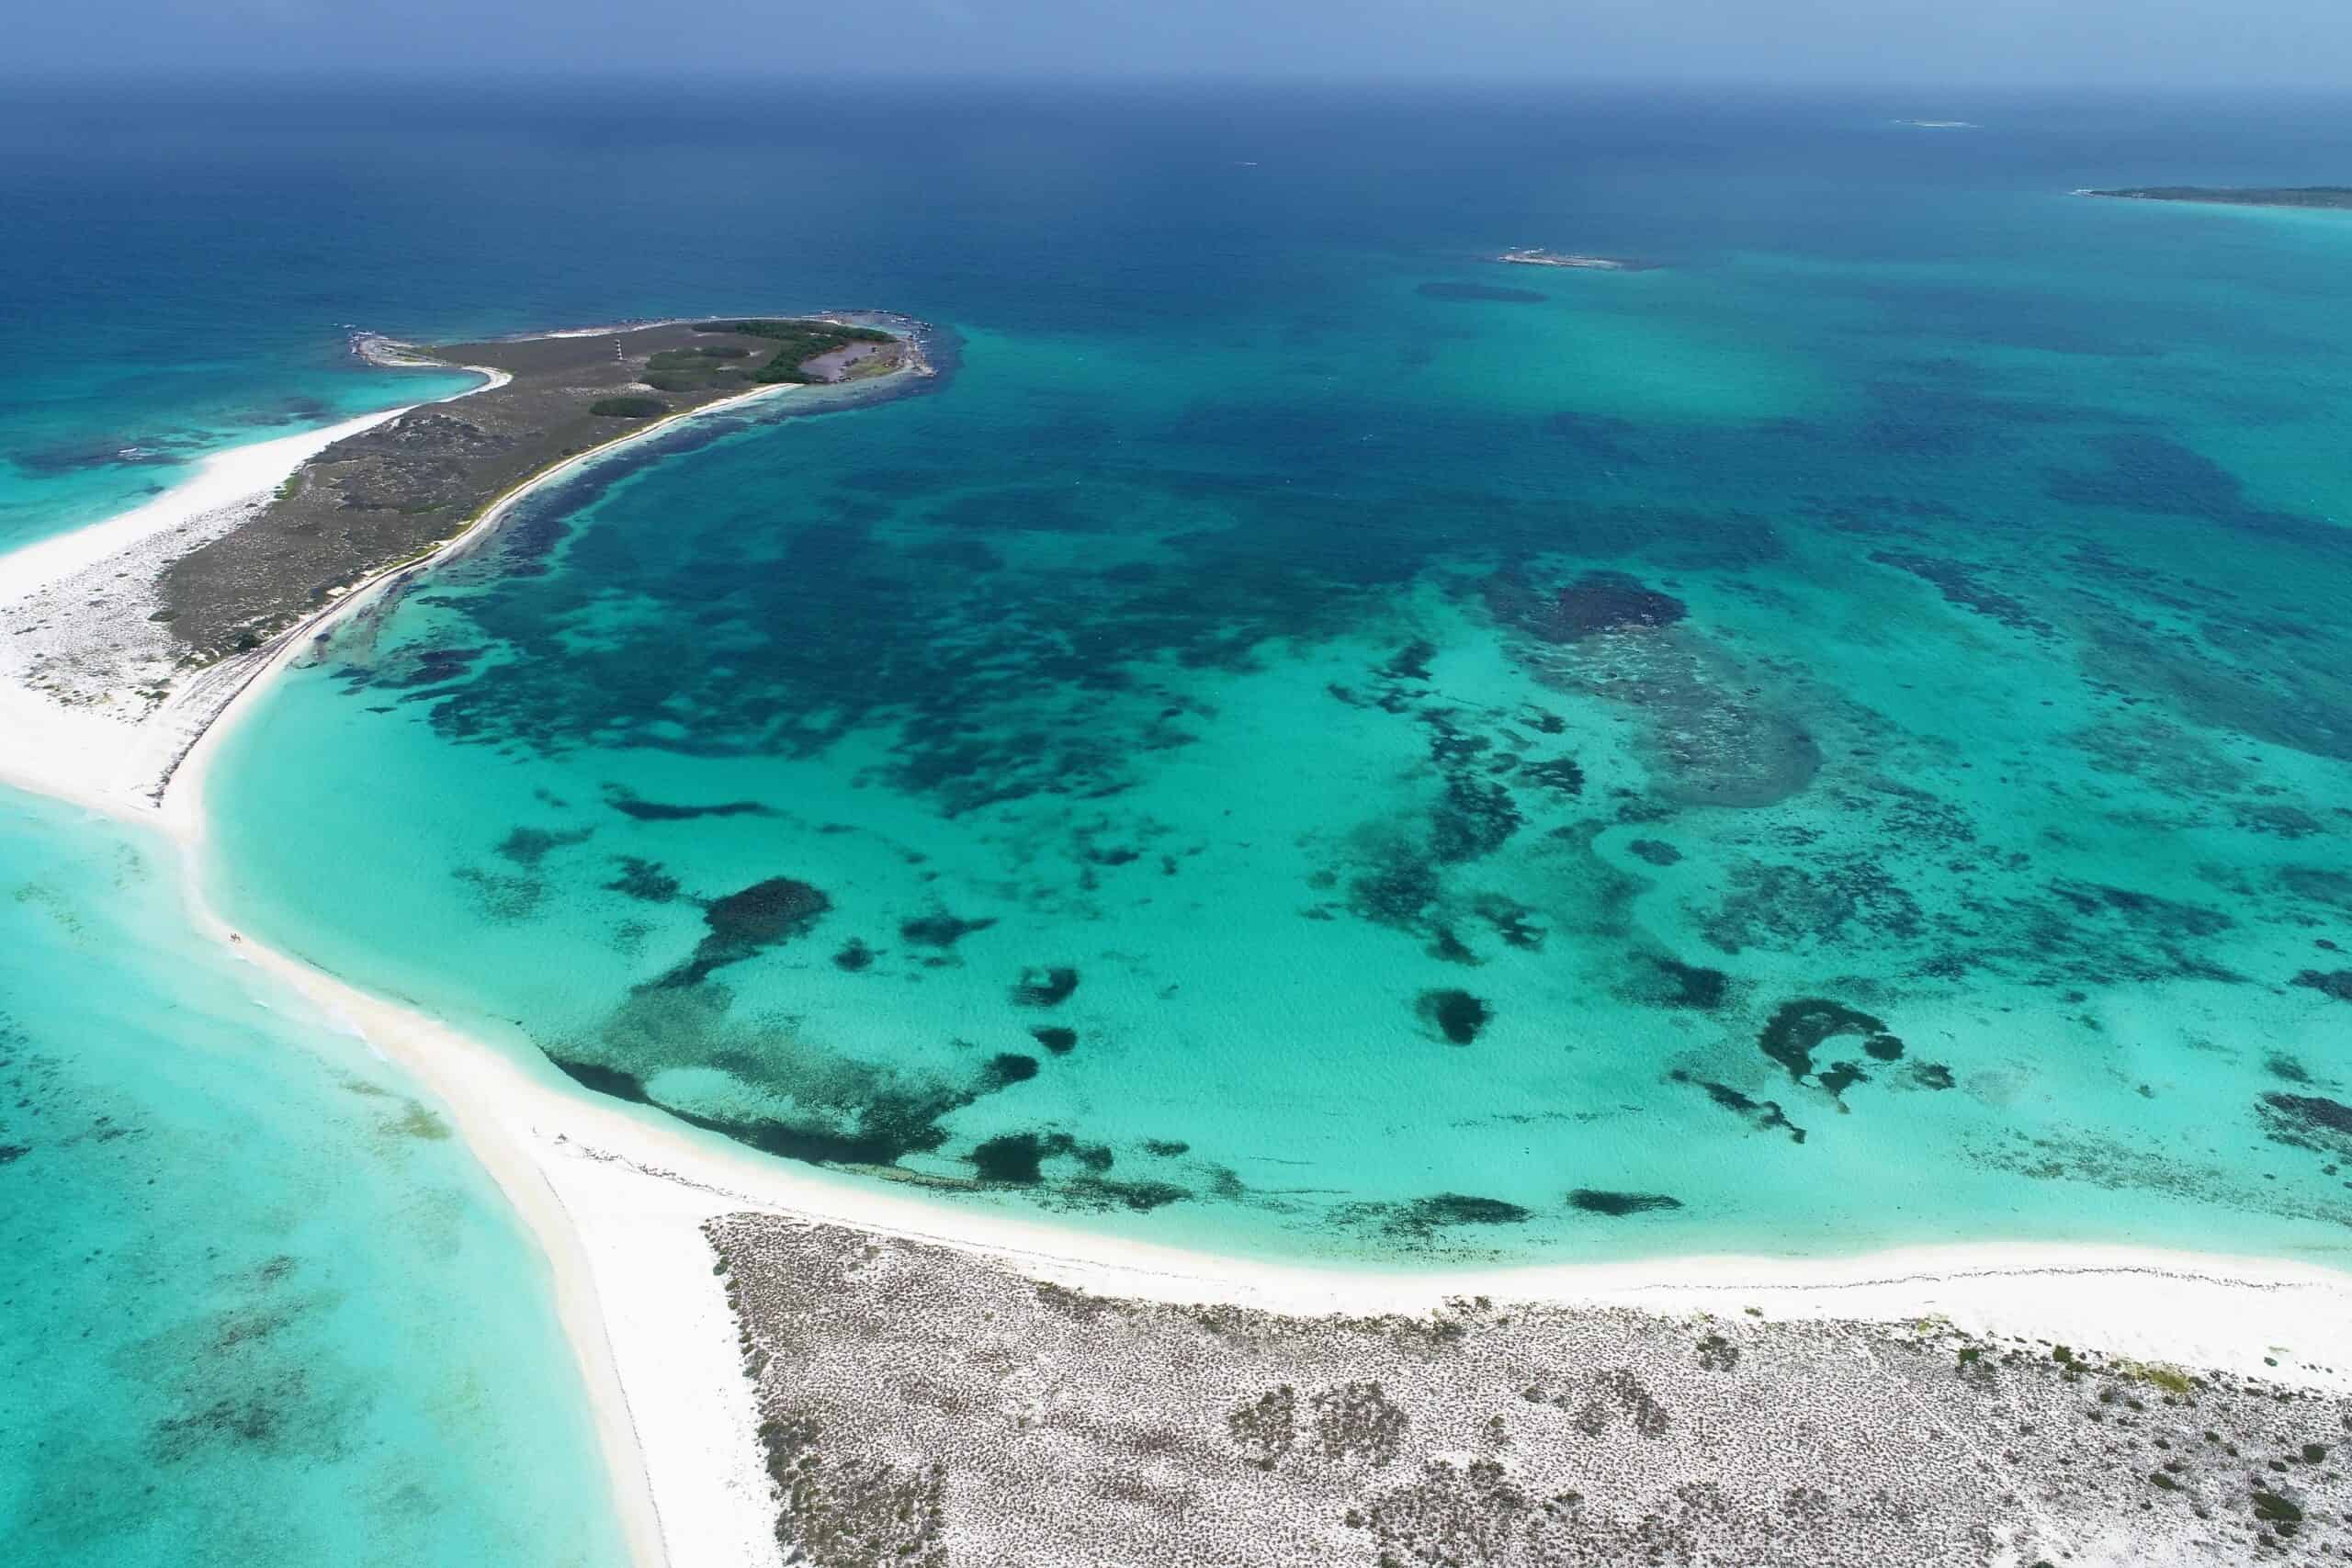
column 2332, row 198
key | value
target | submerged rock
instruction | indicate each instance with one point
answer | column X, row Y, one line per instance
column 773, row 910
column 743, row 924
column 2336, row 983
column 1596, row 603
column 1456, row 1014
column 1596, row 1201
column 1797, row 1029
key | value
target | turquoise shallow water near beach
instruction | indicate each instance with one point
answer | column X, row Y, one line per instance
column 1312, row 740
column 257, row 1303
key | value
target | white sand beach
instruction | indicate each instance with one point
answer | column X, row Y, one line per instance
column 615, row 1195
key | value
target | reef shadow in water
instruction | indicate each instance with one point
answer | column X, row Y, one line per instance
column 746, row 923
column 1487, row 291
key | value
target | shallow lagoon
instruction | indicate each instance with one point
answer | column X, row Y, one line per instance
column 1840, row 739
column 256, row 1304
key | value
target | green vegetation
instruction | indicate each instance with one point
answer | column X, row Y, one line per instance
column 2172, row 1380
column 628, row 408
column 801, row 341
column 2243, row 196
column 698, row 370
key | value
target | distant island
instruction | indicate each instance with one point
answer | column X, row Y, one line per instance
column 1939, row 124
column 2337, row 198
column 1528, row 257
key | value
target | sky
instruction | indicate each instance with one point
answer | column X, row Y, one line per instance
column 2189, row 43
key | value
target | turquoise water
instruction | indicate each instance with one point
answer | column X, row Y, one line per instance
column 1494, row 770
column 1315, row 741
column 256, row 1305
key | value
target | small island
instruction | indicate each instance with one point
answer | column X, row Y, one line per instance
column 2329, row 198
column 1939, row 124
column 1529, row 257
column 400, row 490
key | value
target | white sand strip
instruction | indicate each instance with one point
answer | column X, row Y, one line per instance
column 223, row 478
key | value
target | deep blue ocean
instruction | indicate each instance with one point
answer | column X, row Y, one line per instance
column 1310, row 739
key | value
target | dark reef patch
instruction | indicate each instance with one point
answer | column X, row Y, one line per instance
column 748, row 922
column 1014, row 1156
column 1510, row 920
column 2308, row 1122
column 1423, row 1219
column 1475, row 817
column 1764, row 1114
column 1674, row 984
column 2150, row 474
column 419, row 667
column 1019, row 1157
column 603, row 1079
column 1840, row 899
column 1595, row 1200
column 1053, row 1037
column 940, row 931
column 527, row 846
column 1560, row 774
column 1443, row 1208
column 1799, row 1028
column 1487, row 291
column 1656, row 852
column 1710, row 731
column 841, row 1110
column 643, row 880
column 1455, row 1014
column 2336, row 983
column 1838, row 1076
column 2163, row 917
column 773, row 910
column 1396, row 892
column 1963, row 585
column 1411, row 662
column 1008, row 1067
column 1092, row 1194
column 628, row 804
column 854, row 956
column 1596, row 603
column 1045, row 988
column 1166, row 1149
